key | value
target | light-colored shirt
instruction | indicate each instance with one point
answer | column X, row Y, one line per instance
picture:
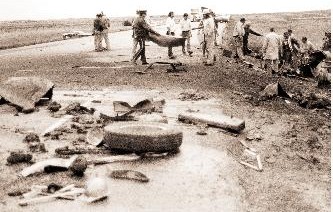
column 271, row 46
column 208, row 26
column 170, row 24
column 307, row 47
column 185, row 25
column 239, row 29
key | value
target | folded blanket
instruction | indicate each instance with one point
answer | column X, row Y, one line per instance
column 166, row 41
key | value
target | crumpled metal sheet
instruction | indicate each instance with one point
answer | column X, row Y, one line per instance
column 25, row 92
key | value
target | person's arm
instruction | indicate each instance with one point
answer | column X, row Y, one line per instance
column 148, row 28
column 254, row 33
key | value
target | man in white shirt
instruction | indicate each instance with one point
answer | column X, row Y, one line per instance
column 185, row 26
column 306, row 48
column 271, row 49
column 171, row 27
column 209, row 37
column 238, row 38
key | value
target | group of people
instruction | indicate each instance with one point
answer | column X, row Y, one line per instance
column 277, row 51
column 101, row 31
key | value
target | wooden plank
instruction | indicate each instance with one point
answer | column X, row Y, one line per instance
column 215, row 120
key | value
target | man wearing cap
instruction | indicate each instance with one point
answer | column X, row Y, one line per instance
column 105, row 21
column 238, row 38
column 209, row 36
column 140, row 34
column 97, row 30
column 171, row 27
column 271, row 49
column 248, row 31
column 185, row 26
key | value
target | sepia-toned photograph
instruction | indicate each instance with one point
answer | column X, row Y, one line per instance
column 189, row 106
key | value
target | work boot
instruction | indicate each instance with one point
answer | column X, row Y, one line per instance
column 172, row 57
column 145, row 63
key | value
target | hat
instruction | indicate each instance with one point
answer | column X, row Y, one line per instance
column 185, row 14
column 242, row 19
column 205, row 12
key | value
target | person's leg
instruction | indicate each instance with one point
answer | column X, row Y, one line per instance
column 170, row 54
column 239, row 48
column 139, row 52
column 106, row 39
column 143, row 52
column 135, row 46
column 210, row 42
column 189, row 44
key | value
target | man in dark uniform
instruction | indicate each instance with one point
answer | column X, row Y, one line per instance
column 248, row 31
column 140, row 34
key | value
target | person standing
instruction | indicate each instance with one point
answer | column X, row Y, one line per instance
column 105, row 32
column 209, row 37
column 271, row 48
column 185, row 26
column 171, row 27
column 238, row 35
column 306, row 48
column 140, row 34
column 286, row 51
column 247, row 32
column 97, row 30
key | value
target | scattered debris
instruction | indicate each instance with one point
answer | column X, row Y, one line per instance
column 79, row 166
column 77, row 150
column 254, row 136
column 215, row 120
column 69, row 193
column 53, row 162
column 96, row 101
column 37, row 147
column 84, row 119
column 18, row 157
column 175, row 67
column 144, row 106
column 273, row 90
column 25, row 92
column 52, row 188
column 54, row 106
column 192, row 96
column 129, row 175
column 141, row 137
column 77, row 109
column 31, row 138
column 312, row 101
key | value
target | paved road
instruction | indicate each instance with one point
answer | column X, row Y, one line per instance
column 199, row 178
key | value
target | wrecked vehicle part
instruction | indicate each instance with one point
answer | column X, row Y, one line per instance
column 129, row 175
column 76, row 109
column 25, row 92
column 96, row 189
column 18, row 157
column 273, row 90
column 142, row 137
column 53, row 162
column 76, row 150
column 79, row 166
column 216, row 120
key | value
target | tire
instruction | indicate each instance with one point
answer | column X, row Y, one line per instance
column 142, row 137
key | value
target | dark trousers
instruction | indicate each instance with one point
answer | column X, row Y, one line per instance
column 170, row 48
column 141, row 52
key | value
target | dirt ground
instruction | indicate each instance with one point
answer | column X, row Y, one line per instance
column 294, row 142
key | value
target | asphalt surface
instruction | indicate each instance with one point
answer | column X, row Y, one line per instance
column 198, row 178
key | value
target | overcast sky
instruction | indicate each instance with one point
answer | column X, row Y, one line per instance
column 57, row 9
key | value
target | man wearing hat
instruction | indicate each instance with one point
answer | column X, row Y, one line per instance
column 238, row 38
column 140, row 34
column 185, row 26
column 209, row 36
column 97, row 32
